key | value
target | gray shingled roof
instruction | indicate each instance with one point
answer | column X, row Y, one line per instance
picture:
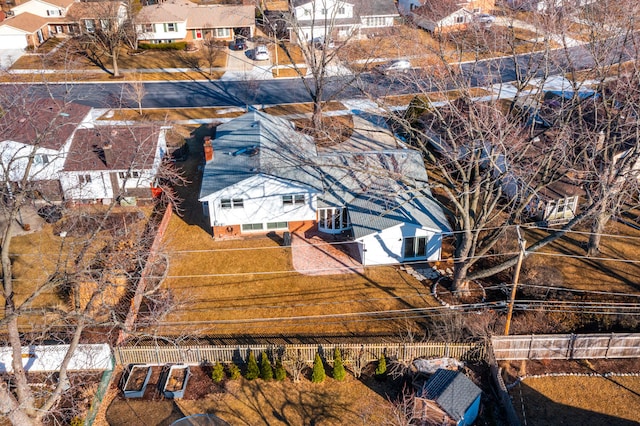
column 381, row 188
column 259, row 143
column 453, row 392
column 364, row 7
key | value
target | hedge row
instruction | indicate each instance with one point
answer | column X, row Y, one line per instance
column 178, row 45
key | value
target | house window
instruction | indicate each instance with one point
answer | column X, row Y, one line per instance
column 459, row 19
column 278, row 225
column 88, row 23
column 415, row 247
column 476, row 10
column 84, row 179
column 324, row 11
column 127, row 175
column 54, row 12
column 41, row 159
column 171, row 27
column 252, row 227
column 375, row 21
column 147, row 28
column 413, row 6
column 333, row 219
column 289, row 200
column 104, row 24
column 307, row 12
column 341, row 11
column 231, row 203
column 223, row 32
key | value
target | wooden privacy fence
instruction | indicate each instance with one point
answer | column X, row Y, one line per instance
column 567, row 346
column 353, row 354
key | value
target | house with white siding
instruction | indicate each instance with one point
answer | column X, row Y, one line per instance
column 113, row 162
column 262, row 175
column 340, row 19
column 38, row 135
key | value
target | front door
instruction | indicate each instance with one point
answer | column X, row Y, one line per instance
column 59, row 29
column 40, row 36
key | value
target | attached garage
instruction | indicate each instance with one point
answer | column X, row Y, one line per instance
column 12, row 41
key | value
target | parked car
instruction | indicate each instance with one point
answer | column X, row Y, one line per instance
column 261, row 53
column 399, row 65
column 320, row 44
column 484, row 18
column 239, row 44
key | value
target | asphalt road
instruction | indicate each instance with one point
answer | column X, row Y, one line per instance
column 265, row 92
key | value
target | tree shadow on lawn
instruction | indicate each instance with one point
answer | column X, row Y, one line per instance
column 540, row 410
column 303, row 403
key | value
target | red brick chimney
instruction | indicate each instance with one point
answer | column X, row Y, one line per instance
column 208, row 149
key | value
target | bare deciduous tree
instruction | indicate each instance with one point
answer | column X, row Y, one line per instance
column 79, row 283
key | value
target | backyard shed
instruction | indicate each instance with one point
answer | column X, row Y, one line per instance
column 448, row 397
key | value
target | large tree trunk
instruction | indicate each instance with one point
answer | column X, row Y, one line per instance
column 460, row 283
column 114, row 61
column 597, row 228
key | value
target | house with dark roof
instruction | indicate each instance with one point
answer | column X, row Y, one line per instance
column 42, row 129
column 448, row 397
column 444, row 15
column 182, row 20
column 262, row 175
column 112, row 162
column 340, row 19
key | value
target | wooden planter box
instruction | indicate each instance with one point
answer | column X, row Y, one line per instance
column 175, row 381
column 137, row 380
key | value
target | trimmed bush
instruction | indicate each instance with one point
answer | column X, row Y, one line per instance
column 318, row 374
column 253, row 371
column 217, row 373
column 177, row 45
column 266, row 371
column 281, row 373
column 381, row 369
column 234, row 372
column 339, row 373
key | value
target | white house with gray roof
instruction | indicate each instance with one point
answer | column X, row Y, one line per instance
column 262, row 175
column 341, row 18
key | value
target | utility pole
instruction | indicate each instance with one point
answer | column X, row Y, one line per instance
column 516, row 276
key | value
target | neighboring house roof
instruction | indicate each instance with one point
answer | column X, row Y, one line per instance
column 436, row 10
column 133, row 147
column 363, row 7
column 198, row 16
column 258, row 143
column 59, row 3
column 218, row 15
column 452, row 391
column 46, row 121
column 27, row 22
column 95, row 10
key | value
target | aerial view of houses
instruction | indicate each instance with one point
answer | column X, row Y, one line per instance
column 329, row 212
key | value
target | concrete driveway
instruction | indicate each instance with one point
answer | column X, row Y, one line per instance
column 9, row 56
column 241, row 66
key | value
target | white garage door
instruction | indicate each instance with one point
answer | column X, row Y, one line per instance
column 13, row 41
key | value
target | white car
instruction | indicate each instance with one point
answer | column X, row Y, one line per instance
column 261, row 53
column 484, row 18
column 399, row 65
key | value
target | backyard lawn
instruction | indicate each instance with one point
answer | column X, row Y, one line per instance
column 577, row 400
column 249, row 287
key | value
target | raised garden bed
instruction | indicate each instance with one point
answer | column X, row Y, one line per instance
column 137, row 380
column 175, row 382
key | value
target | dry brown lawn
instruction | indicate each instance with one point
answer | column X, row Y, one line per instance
column 564, row 264
column 578, row 400
column 249, row 287
column 266, row 403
